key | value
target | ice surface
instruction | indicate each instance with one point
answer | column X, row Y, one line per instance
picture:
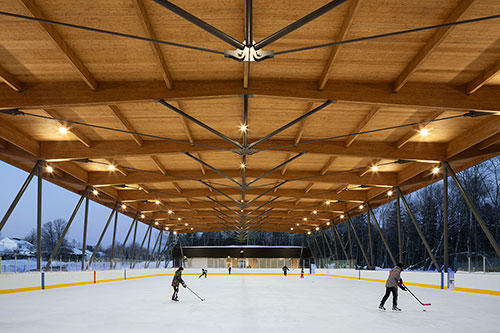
column 252, row 303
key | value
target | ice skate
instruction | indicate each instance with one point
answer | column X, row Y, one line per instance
column 395, row 308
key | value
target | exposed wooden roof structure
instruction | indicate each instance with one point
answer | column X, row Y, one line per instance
column 191, row 178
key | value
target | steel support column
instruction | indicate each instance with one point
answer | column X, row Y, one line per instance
column 128, row 234
column 368, row 264
column 312, row 252
column 321, row 256
column 113, row 242
column 102, row 234
column 167, row 254
column 473, row 209
column 39, row 221
column 20, row 194
column 370, row 242
column 329, row 248
column 68, row 225
column 182, row 252
column 143, row 241
column 400, row 236
column 159, row 248
column 149, row 242
column 414, row 220
column 340, row 241
column 132, row 252
column 445, row 218
column 381, row 234
column 349, row 240
column 301, row 264
column 151, row 255
column 85, row 224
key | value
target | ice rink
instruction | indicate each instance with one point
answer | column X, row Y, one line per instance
column 239, row 303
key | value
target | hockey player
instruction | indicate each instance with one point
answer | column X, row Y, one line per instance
column 302, row 273
column 203, row 273
column 176, row 281
column 229, row 269
column 285, row 270
column 391, row 286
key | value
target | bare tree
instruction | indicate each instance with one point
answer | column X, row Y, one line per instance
column 51, row 232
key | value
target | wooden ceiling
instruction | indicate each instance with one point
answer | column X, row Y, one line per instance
column 114, row 82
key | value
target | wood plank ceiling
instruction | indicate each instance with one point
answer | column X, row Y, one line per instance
column 188, row 178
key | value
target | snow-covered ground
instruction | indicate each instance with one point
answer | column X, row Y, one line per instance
column 239, row 303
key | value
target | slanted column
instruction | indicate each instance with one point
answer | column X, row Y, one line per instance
column 39, row 221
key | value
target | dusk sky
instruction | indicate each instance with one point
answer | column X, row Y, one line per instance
column 57, row 203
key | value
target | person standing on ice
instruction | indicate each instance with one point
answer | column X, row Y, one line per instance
column 302, row 273
column 391, row 286
column 229, row 269
column 203, row 273
column 176, row 281
column 285, row 270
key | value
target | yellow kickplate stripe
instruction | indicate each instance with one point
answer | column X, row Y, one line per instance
column 423, row 285
column 63, row 285
column 19, row 290
column 478, row 291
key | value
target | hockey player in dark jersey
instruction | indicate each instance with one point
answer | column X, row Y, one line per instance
column 203, row 273
column 391, row 286
column 176, row 281
column 285, row 270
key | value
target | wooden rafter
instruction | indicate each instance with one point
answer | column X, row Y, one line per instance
column 487, row 129
column 482, row 78
column 117, row 169
column 10, row 80
column 124, row 121
column 67, row 94
column 414, row 132
column 137, row 177
column 59, row 150
column 346, row 25
column 177, row 187
column 489, row 142
column 18, row 138
column 438, row 37
column 158, row 164
column 298, row 136
column 152, row 207
column 327, row 165
column 61, row 44
column 190, row 137
column 309, row 187
column 144, row 188
column 323, row 171
column 150, row 33
column 130, row 195
column 76, row 132
column 362, row 125
column 372, row 163
column 163, row 170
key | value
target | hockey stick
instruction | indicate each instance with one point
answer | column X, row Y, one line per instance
column 423, row 304
column 201, row 299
